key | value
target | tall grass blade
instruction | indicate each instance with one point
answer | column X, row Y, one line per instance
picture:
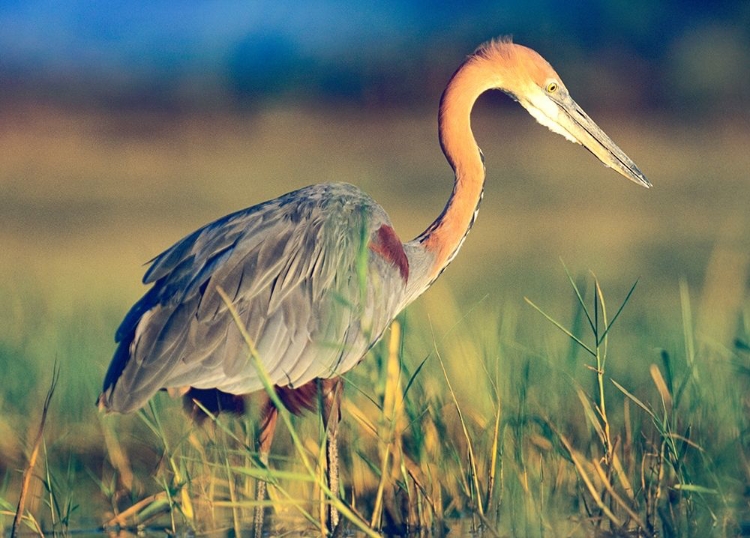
column 615, row 496
column 583, row 474
column 29, row 471
column 579, row 296
column 493, row 459
column 695, row 488
column 413, row 377
column 469, row 445
column 591, row 415
column 117, row 456
column 687, row 327
column 619, row 311
column 661, row 387
column 635, row 400
column 392, row 417
column 561, row 327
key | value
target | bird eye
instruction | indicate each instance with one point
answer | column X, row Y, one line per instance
column 552, row 87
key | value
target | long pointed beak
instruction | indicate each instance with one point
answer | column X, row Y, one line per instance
column 582, row 128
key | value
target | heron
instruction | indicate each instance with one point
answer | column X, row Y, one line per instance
column 317, row 275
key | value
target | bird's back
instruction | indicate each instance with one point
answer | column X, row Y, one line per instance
column 315, row 275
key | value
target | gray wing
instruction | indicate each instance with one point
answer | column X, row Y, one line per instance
column 311, row 294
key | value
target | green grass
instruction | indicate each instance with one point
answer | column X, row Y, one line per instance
column 481, row 410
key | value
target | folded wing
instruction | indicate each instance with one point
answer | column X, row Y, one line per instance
column 300, row 271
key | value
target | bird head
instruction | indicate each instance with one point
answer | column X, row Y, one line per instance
column 529, row 79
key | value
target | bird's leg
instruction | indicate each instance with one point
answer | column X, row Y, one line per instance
column 331, row 409
column 265, row 438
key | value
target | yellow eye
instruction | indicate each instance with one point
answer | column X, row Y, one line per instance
column 552, row 87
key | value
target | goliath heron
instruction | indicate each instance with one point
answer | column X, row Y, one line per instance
column 318, row 274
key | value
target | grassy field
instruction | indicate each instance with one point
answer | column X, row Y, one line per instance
column 507, row 421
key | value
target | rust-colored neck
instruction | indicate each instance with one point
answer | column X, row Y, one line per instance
column 445, row 235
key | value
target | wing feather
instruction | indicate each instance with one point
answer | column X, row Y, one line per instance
column 290, row 267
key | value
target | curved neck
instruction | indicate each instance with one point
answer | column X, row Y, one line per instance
column 443, row 238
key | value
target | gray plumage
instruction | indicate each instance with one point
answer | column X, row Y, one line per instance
column 312, row 295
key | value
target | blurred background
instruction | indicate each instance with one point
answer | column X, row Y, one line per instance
column 168, row 55
column 126, row 125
